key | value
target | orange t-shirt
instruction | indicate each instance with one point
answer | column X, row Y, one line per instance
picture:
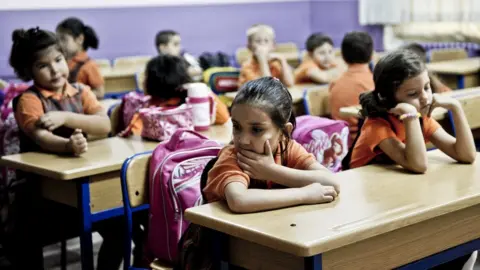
column 221, row 116
column 251, row 71
column 345, row 92
column 89, row 73
column 29, row 107
column 226, row 167
column 301, row 72
column 375, row 130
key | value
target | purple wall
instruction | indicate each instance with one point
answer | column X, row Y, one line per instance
column 131, row 31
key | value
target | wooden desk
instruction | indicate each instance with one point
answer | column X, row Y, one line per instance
column 90, row 182
column 119, row 80
column 458, row 74
column 221, row 133
column 384, row 218
column 296, row 91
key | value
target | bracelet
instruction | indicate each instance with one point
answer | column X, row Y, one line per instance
column 409, row 115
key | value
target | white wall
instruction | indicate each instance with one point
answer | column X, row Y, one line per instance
column 68, row 4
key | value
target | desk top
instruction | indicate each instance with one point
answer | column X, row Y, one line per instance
column 221, row 133
column 437, row 114
column 296, row 91
column 373, row 200
column 102, row 156
column 456, row 67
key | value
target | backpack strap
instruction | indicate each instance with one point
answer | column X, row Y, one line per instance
column 204, row 177
column 72, row 77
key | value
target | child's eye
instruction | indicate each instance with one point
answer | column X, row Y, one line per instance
column 256, row 130
column 41, row 66
column 236, row 128
column 58, row 59
column 412, row 94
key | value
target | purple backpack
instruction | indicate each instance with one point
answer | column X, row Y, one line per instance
column 175, row 170
column 325, row 138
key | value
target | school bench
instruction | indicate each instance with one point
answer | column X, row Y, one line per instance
column 458, row 74
column 384, row 218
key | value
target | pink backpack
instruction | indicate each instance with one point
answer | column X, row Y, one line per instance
column 325, row 138
column 131, row 103
column 160, row 123
column 175, row 170
column 11, row 91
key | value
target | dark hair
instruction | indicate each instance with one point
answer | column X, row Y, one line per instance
column 164, row 75
column 389, row 73
column 75, row 27
column 357, row 47
column 417, row 49
column 163, row 37
column 272, row 97
column 316, row 40
column 25, row 49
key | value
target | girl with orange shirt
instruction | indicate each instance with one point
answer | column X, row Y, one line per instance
column 398, row 121
column 264, row 168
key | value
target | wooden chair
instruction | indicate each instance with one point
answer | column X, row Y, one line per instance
column 103, row 63
column 131, row 62
column 3, row 84
column 114, row 114
column 447, row 54
column 315, row 100
column 287, row 47
column 140, row 80
column 134, row 180
column 242, row 54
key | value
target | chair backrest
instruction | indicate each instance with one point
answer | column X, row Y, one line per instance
column 131, row 62
column 3, row 84
column 470, row 106
column 242, row 54
column 287, row 47
column 316, row 100
column 103, row 63
column 135, row 176
column 140, row 80
column 447, row 54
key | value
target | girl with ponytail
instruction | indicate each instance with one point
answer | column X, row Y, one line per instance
column 76, row 38
column 397, row 117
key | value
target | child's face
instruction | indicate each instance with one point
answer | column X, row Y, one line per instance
column 50, row 70
column 70, row 44
column 173, row 47
column 252, row 127
column 417, row 92
column 262, row 39
column 323, row 55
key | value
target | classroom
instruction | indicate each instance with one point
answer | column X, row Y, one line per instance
column 240, row 134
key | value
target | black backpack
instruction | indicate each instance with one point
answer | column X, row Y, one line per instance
column 208, row 60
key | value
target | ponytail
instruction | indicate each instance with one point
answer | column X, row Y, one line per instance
column 372, row 105
column 91, row 39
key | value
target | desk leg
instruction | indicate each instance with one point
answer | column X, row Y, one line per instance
column 460, row 81
column 313, row 263
column 220, row 251
column 83, row 197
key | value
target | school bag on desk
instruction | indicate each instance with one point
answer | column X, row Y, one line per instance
column 176, row 166
column 325, row 138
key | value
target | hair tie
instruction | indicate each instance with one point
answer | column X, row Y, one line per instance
column 380, row 97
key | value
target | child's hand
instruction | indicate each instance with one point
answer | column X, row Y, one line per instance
column 52, row 120
column 257, row 166
column 444, row 101
column 403, row 108
column 317, row 193
column 77, row 143
column 262, row 52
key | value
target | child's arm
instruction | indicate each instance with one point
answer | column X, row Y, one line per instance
column 287, row 72
column 263, row 167
column 461, row 148
column 99, row 92
column 240, row 199
column 413, row 154
column 95, row 124
column 320, row 76
column 76, row 144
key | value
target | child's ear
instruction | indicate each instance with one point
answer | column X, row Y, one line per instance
column 289, row 129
